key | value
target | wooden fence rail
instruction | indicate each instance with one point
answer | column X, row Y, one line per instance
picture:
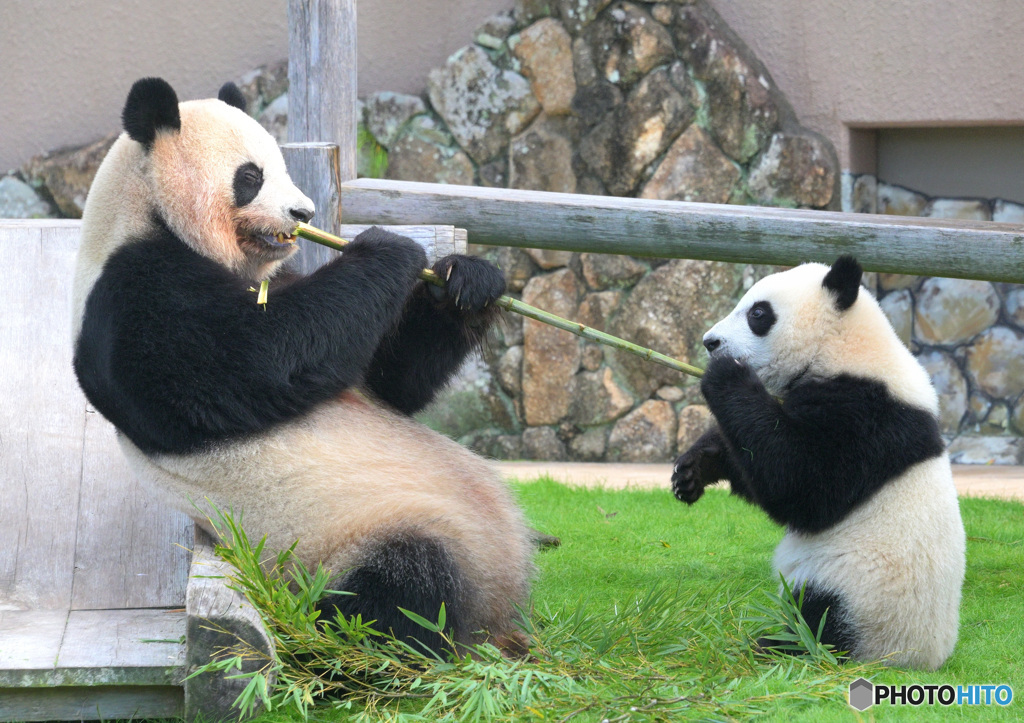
column 741, row 234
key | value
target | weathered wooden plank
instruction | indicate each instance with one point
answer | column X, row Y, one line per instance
column 672, row 229
column 42, row 417
column 39, row 223
column 29, row 643
column 80, row 703
column 131, row 551
column 298, row 52
column 437, row 241
column 96, row 647
column 218, row 618
column 314, row 169
column 130, row 647
column 322, row 76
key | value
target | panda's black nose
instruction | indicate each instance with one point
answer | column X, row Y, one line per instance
column 711, row 343
column 301, row 214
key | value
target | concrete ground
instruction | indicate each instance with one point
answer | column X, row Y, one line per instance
column 971, row 480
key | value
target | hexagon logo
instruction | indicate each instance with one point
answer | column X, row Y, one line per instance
column 862, row 694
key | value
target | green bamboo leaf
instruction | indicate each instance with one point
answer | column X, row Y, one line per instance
column 420, row 620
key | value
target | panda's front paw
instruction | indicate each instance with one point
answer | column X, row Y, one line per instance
column 697, row 468
column 472, row 285
column 687, row 485
column 726, row 375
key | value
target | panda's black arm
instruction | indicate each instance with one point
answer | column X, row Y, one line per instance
column 176, row 353
column 438, row 330
column 825, row 449
column 708, row 460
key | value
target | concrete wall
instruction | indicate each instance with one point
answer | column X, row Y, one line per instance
column 67, row 64
column 880, row 63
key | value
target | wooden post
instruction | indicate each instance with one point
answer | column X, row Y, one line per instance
column 218, row 618
column 322, row 78
column 315, row 169
column 322, row 98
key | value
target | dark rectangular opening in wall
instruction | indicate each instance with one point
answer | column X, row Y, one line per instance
column 983, row 162
column 863, row 151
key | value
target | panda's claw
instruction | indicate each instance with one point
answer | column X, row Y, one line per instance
column 472, row 284
column 686, row 483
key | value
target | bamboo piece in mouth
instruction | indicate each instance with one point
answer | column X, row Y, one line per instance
column 311, row 233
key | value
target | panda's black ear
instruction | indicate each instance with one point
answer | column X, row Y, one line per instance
column 230, row 94
column 843, row 280
column 152, row 106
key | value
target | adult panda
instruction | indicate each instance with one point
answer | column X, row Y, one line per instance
column 294, row 414
column 850, row 461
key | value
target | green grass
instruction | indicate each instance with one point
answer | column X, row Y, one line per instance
column 615, row 544
column 645, row 612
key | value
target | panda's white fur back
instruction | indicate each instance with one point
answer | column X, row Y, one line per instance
column 907, row 607
column 119, row 205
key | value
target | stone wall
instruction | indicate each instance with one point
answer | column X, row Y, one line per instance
column 655, row 100
column 969, row 335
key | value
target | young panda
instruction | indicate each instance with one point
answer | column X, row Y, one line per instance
column 295, row 414
column 850, row 461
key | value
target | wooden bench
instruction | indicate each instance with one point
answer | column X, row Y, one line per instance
column 100, row 617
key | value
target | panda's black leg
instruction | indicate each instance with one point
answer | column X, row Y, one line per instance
column 410, row 571
column 836, row 632
column 439, row 328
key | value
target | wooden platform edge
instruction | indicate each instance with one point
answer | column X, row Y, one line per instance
column 218, row 618
column 106, row 702
column 91, row 664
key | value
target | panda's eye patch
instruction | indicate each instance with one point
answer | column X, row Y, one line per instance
column 761, row 318
column 248, row 182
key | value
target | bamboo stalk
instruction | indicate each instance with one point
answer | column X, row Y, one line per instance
column 311, row 233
